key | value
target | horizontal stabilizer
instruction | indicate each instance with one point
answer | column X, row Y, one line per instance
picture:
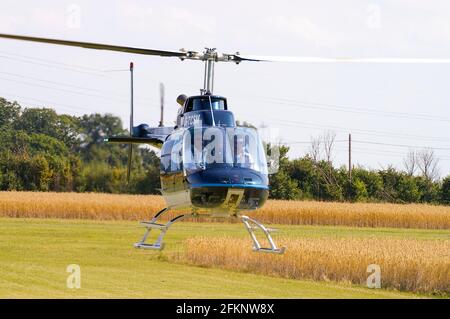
column 143, row 134
column 153, row 141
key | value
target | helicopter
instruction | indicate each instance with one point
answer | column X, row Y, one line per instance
column 209, row 165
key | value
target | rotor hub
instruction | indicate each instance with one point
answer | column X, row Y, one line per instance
column 210, row 54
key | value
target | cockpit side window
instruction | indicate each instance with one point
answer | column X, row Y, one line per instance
column 176, row 164
column 172, row 154
column 166, row 156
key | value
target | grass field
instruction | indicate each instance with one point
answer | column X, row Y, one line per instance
column 329, row 246
column 34, row 254
column 139, row 207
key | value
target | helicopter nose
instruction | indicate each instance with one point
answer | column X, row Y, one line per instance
column 227, row 198
column 228, row 189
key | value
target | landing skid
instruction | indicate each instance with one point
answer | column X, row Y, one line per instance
column 251, row 225
column 152, row 224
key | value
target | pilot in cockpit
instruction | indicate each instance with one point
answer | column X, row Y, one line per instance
column 243, row 157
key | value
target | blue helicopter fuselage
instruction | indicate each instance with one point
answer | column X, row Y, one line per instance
column 210, row 165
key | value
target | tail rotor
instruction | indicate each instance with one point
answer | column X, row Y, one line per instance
column 161, row 96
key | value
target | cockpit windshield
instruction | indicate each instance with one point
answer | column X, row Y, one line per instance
column 206, row 103
column 208, row 147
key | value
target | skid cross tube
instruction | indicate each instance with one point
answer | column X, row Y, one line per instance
column 256, row 245
column 152, row 224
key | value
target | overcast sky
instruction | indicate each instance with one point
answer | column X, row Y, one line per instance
column 405, row 106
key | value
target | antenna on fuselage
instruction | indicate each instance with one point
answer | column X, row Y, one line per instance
column 211, row 110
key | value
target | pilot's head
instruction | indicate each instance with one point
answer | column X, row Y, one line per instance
column 181, row 99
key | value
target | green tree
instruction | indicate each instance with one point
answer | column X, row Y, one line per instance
column 302, row 170
column 445, row 191
column 100, row 177
column 329, row 187
column 281, row 184
column 372, row 181
column 357, row 190
column 407, row 190
column 147, row 181
column 283, row 187
column 9, row 112
column 429, row 190
column 94, row 128
column 390, row 179
column 45, row 121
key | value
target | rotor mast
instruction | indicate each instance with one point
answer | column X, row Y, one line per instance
column 209, row 56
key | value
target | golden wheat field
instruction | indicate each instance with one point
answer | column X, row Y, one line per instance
column 138, row 207
column 406, row 264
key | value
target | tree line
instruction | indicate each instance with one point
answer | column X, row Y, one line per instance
column 41, row 150
column 309, row 178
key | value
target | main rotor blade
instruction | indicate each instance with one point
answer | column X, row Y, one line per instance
column 97, row 46
column 234, row 57
column 341, row 60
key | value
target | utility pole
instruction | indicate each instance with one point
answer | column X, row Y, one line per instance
column 161, row 96
column 130, row 146
column 131, row 98
column 350, row 157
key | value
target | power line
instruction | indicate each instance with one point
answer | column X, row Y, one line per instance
column 386, row 154
column 286, row 101
column 71, row 107
column 51, row 82
column 311, row 105
column 117, row 99
column 309, row 142
column 52, row 62
column 59, row 65
column 77, row 110
column 379, row 151
column 64, row 90
column 47, row 103
column 339, row 108
column 357, row 149
column 361, row 131
column 379, row 143
column 64, row 84
column 294, row 142
column 53, row 66
column 402, row 145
